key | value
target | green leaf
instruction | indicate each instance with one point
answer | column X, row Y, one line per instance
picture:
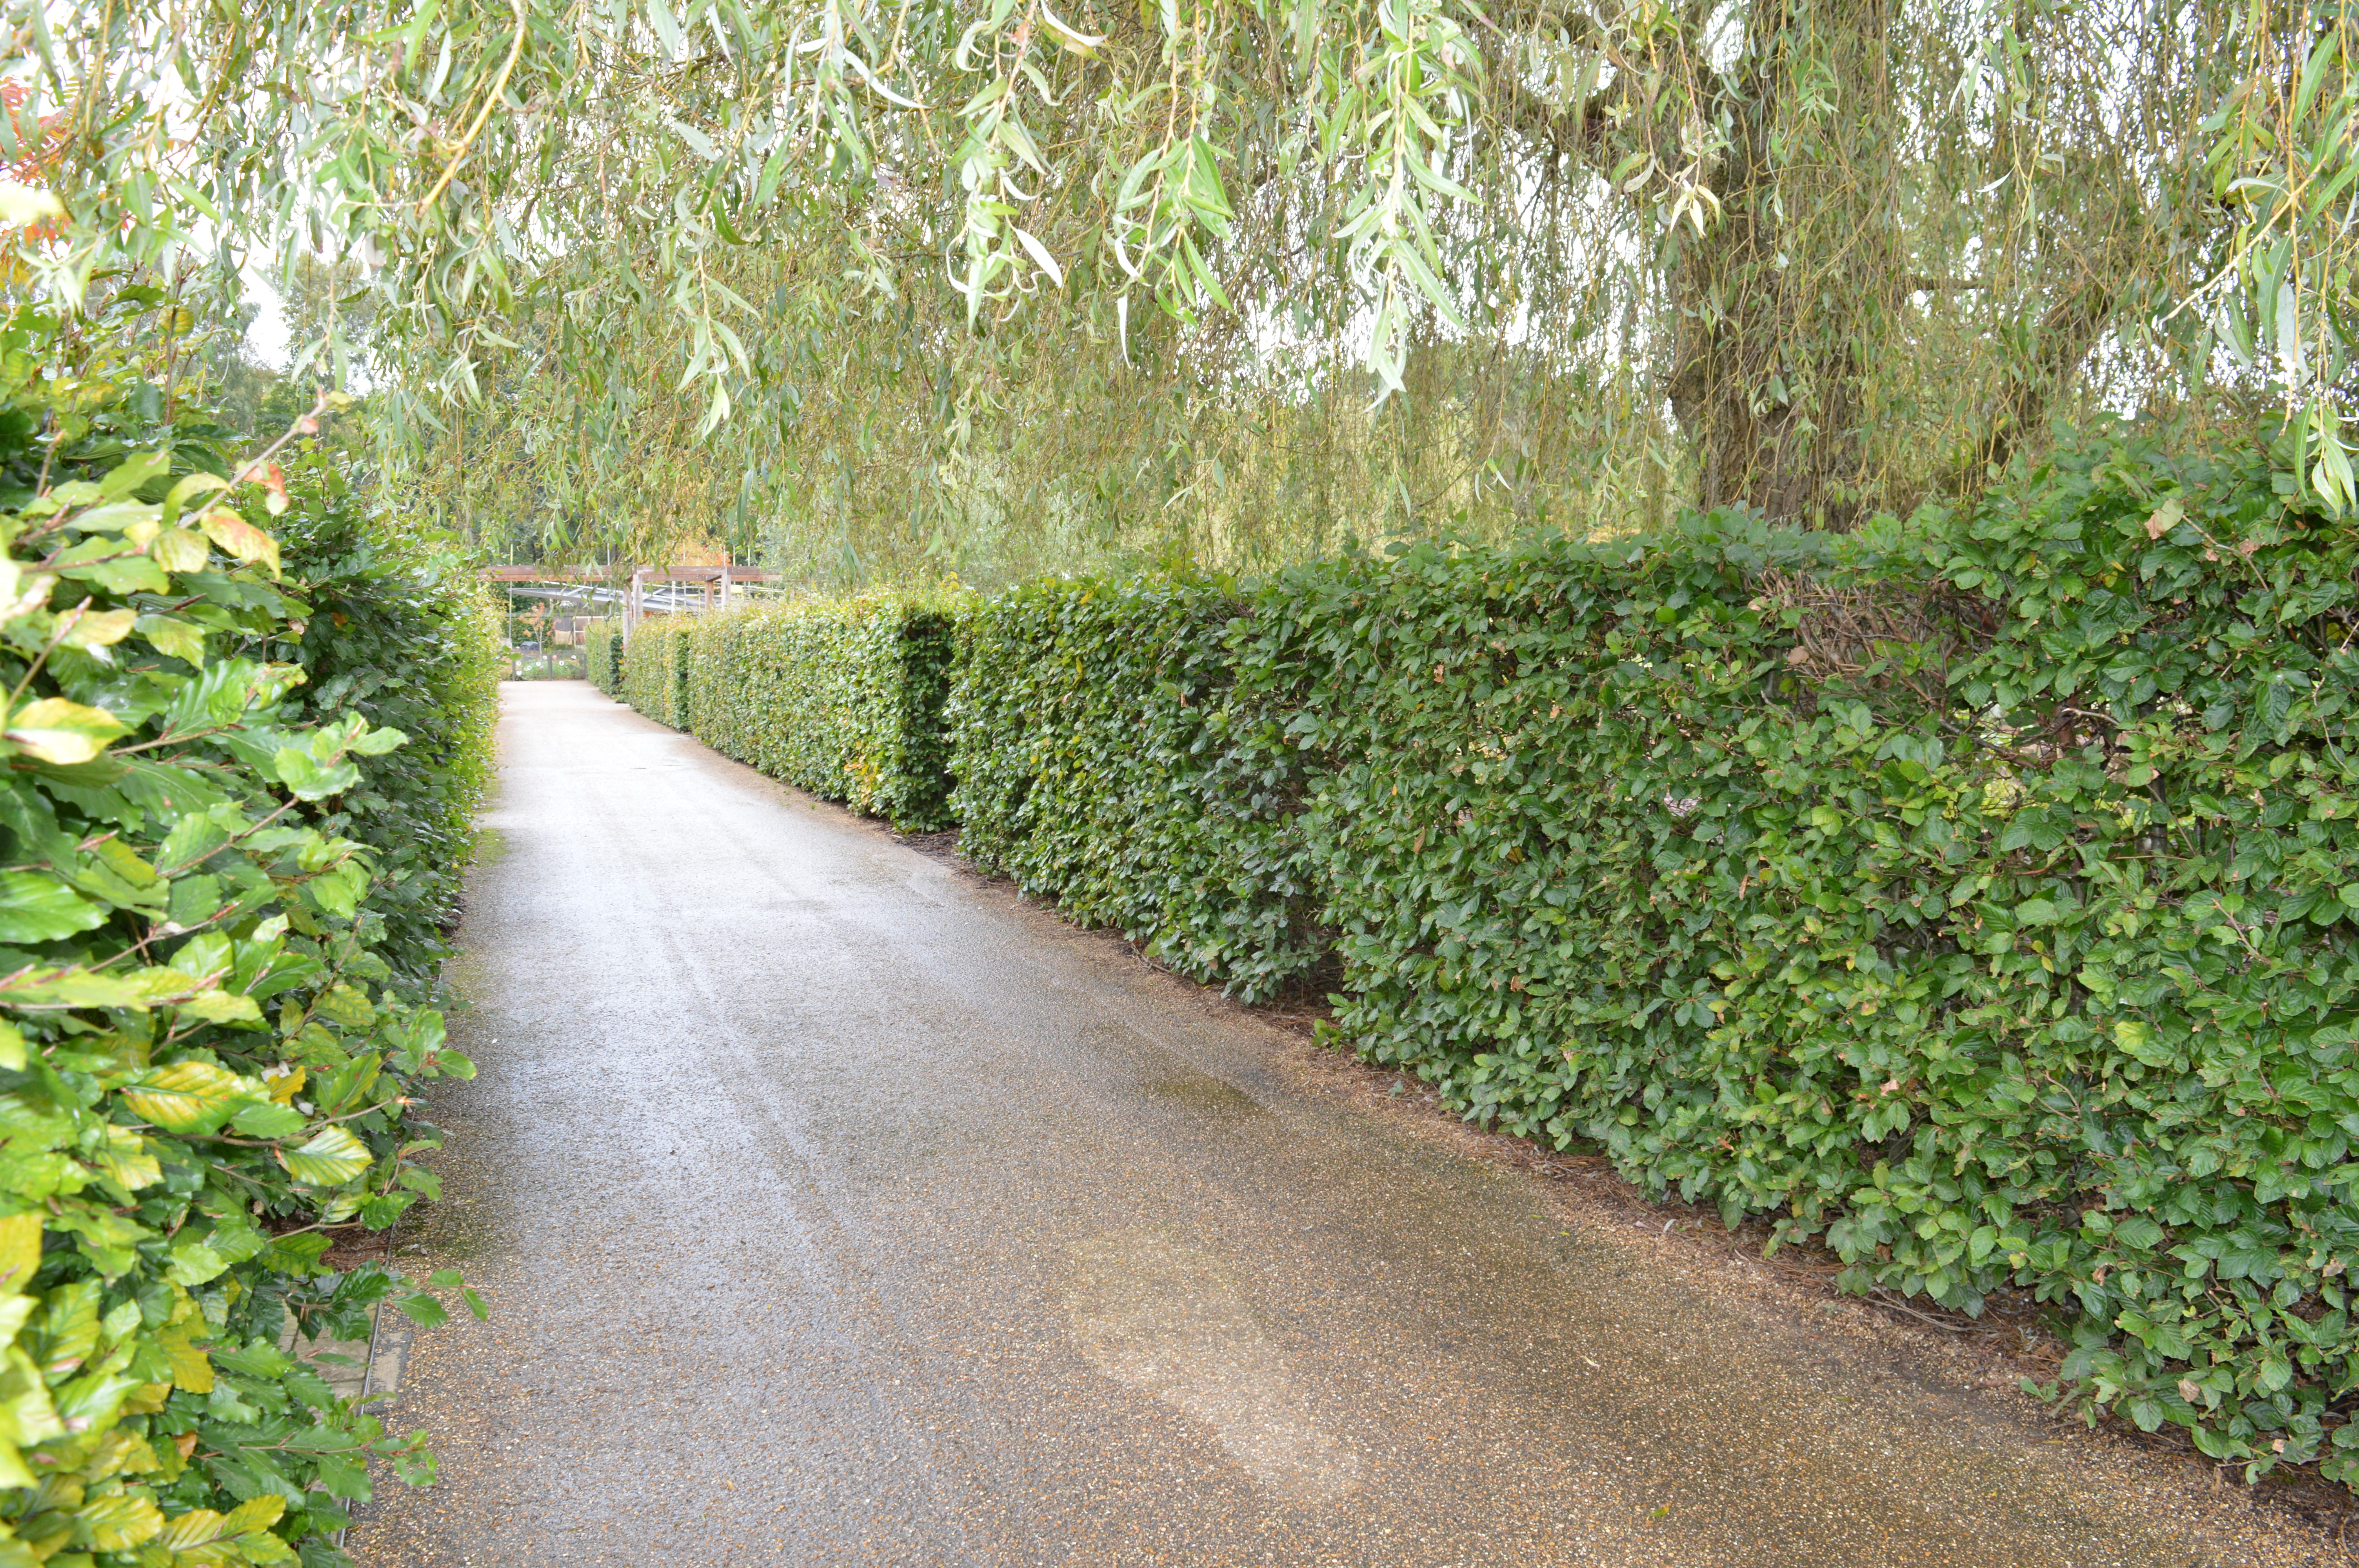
column 221, row 1007
column 269, row 1120
column 308, row 780
column 174, row 636
column 36, row 906
column 194, row 1263
column 71, row 988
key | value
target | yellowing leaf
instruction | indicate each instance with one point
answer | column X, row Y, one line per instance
column 63, row 732
column 119, row 1522
column 259, row 1547
column 331, row 1158
column 20, row 1250
column 192, row 1370
column 187, row 1096
column 22, row 206
column 285, row 1087
column 239, row 537
column 254, row 1513
column 191, row 488
column 194, row 1528
column 180, row 550
column 97, row 628
column 127, row 1158
column 274, row 488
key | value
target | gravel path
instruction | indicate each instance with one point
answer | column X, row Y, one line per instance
column 837, row 1208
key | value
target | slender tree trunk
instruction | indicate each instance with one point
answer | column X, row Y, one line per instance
column 1777, row 304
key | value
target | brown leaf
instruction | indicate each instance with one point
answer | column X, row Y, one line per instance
column 274, row 488
column 239, row 537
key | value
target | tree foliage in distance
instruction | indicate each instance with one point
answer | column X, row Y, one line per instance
column 891, row 290
column 205, row 1062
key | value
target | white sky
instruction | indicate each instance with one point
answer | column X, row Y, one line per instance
column 266, row 340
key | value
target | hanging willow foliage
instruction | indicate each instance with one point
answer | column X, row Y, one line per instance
column 891, row 290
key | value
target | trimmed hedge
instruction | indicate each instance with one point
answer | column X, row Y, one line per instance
column 1976, row 896
column 1106, row 758
column 602, row 655
column 207, row 1068
column 654, row 669
column 843, row 699
column 401, row 632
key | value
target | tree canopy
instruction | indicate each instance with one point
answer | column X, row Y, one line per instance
column 897, row 290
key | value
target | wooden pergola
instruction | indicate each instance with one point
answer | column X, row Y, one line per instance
column 713, row 584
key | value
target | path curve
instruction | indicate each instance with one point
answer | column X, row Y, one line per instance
column 840, row 1209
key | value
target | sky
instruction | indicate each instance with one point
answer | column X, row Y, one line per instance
column 266, row 340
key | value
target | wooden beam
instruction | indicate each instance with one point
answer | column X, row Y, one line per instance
column 619, row 575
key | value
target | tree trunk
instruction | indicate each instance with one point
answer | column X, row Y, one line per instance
column 1780, row 303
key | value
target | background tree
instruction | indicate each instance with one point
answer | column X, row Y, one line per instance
column 901, row 289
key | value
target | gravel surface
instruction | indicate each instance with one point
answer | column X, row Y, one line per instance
column 837, row 1207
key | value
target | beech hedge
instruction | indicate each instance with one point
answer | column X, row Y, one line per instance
column 654, row 670
column 842, row 699
column 602, row 655
column 207, row 1065
column 1975, row 894
column 400, row 632
column 1106, row 758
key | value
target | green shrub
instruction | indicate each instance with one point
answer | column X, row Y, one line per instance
column 1105, row 757
column 601, row 653
column 2021, row 954
column 842, row 698
column 654, row 669
column 1977, row 896
column 202, row 1066
column 401, row 632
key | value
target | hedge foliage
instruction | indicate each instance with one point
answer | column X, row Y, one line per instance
column 1106, row 758
column 400, row 632
column 1976, row 896
column 843, row 699
column 204, row 1057
column 602, row 653
column 654, row 670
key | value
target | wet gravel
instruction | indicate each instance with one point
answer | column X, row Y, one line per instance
column 839, row 1209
